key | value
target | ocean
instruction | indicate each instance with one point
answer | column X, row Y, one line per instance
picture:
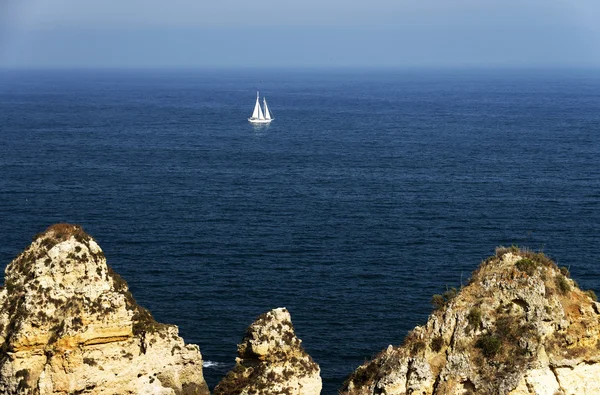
column 371, row 190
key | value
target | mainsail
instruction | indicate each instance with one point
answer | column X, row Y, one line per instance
column 257, row 114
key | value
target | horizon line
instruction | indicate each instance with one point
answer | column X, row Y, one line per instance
column 588, row 67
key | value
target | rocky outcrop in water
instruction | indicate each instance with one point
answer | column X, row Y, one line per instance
column 69, row 325
column 271, row 361
column 521, row 326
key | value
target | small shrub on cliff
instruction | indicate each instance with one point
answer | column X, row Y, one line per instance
column 438, row 301
column 474, row 317
column 489, row 345
column 527, row 265
column 538, row 257
column 508, row 329
column 48, row 243
column 417, row 346
column 437, row 343
column 565, row 272
column 235, row 381
column 450, row 294
column 363, row 375
column 562, row 284
column 503, row 250
column 592, row 295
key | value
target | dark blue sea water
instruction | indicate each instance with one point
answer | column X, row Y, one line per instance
column 370, row 191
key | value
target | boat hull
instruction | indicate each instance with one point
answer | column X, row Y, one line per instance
column 259, row 121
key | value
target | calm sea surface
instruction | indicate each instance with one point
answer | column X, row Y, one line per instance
column 370, row 191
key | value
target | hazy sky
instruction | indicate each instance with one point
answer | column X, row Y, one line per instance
column 309, row 33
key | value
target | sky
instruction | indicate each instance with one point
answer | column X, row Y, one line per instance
column 297, row 34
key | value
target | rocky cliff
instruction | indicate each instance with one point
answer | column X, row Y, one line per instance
column 521, row 326
column 69, row 325
column 271, row 361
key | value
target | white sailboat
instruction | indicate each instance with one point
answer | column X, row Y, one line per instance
column 260, row 116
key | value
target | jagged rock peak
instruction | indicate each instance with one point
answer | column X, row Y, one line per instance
column 520, row 326
column 272, row 361
column 68, row 324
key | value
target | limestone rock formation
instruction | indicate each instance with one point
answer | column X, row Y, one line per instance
column 271, row 361
column 69, row 325
column 521, row 326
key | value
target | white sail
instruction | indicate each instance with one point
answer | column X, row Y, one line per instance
column 260, row 113
column 267, row 113
column 256, row 108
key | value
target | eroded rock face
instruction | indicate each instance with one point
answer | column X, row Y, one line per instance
column 521, row 326
column 271, row 361
column 68, row 324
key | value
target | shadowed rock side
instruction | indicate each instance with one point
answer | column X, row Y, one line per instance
column 271, row 361
column 519, row 327
column 69, row 325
